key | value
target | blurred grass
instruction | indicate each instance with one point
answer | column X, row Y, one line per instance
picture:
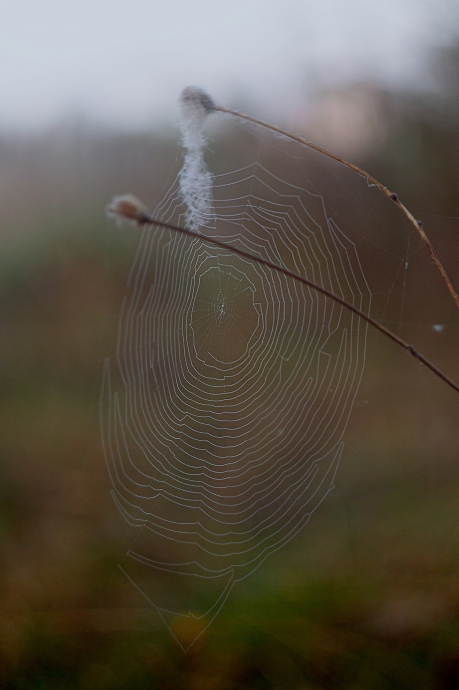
column 366, row 597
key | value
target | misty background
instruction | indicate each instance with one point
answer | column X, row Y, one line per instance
column 123, row 65
column 367, row 596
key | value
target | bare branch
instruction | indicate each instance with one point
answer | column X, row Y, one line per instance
column 391, row 195
column 145, row 219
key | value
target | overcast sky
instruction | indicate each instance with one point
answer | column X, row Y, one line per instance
column 124, row 63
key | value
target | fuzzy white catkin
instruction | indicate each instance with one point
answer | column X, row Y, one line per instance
column 195, row 179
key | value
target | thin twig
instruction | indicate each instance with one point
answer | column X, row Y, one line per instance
column 394, row 197
column 145, row 219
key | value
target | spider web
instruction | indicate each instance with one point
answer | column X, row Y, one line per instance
column 224, row 411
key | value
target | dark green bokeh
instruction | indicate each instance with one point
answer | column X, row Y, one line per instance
column 368, row 595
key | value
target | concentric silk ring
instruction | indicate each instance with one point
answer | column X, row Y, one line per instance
column 224, row 410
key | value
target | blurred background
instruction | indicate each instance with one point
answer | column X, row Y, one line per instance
column 368, row 595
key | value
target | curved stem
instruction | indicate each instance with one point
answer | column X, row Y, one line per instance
column 394, row 197
column 146, row 219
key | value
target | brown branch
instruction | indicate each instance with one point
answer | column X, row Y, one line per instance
column 394, row 197
column 130, row 208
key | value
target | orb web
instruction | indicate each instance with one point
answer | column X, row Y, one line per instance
column 224, row 410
